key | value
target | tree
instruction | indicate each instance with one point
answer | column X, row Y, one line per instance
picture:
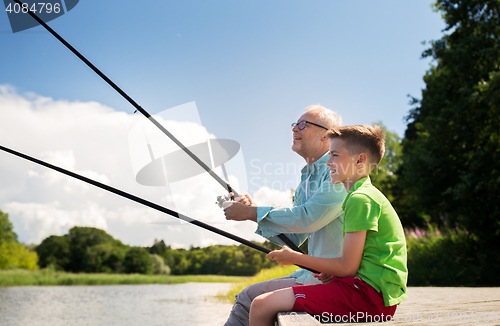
column 159, row 267
column 12, row 253
column 106, row 257
column 15, row 255
column 54, row 251
column 177, row 261
column 198, row 259
column 81, row 239
column 159, row 247
column 452, row 144
column 384, row 176
column 138, row 260
column 387, row 178
column 6, row 228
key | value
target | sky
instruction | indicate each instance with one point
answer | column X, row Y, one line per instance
column 237, row 70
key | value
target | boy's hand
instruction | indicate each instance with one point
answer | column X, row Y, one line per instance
column 324, row 278
column 284, row 256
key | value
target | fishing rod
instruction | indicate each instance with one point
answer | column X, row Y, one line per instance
column 223, row 183
column 130, row 100
column 143, row 202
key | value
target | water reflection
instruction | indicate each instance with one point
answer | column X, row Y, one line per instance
column 186, row 304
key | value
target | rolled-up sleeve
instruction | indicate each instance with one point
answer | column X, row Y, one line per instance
column 324, row 206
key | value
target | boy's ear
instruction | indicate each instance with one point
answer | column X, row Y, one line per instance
column 362, row 159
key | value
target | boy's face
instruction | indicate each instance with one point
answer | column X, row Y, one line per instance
column 343, row 168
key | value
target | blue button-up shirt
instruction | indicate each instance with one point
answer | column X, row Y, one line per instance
column 316, row 214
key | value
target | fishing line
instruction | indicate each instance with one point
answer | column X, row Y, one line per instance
column 143, row 202
column 223, row 183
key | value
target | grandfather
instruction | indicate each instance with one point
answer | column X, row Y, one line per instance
column 316, row 212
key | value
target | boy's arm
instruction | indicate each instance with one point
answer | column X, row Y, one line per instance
column 344, row 266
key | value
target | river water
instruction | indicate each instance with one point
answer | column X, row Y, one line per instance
column 187, row 304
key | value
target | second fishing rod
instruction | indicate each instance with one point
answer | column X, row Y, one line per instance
column 143, row 202
column 223, row 183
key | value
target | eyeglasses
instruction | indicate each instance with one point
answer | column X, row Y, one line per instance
column 302, row 125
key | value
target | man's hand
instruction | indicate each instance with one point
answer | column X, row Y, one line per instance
column 324, row 278
column 239, row 212
column 244, row 198
column 284, row 256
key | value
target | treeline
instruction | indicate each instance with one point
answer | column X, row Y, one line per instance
column 223, row 260
column 91, row 250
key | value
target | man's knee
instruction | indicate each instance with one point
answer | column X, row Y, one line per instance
column 254, row 290
column 250, row 292
column 246, row 295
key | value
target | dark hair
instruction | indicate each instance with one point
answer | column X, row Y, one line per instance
column 362, row 139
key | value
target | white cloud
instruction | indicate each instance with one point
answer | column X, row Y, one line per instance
column 65, row 160
column 93, row 140
column 266, row 196
column 36, row 221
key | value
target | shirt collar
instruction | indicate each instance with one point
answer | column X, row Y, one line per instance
column 308, row 169
column 356, row 186
column 360, row 182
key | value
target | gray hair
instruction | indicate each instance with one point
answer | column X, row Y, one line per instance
column 327, row 118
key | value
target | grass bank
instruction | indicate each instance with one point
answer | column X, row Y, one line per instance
column 47, row 277
column 263, row 275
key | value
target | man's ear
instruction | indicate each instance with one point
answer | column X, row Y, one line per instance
column 362, row 159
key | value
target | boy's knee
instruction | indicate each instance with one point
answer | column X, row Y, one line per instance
column 259, row 304
column 259, row 300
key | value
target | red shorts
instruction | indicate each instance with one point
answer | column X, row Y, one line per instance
column 348, row 299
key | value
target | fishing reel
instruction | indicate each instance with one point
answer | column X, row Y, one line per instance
column 221, row 200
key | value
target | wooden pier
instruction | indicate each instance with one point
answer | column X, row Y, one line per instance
column 427, row 306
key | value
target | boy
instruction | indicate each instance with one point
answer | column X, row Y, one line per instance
column 369, row 279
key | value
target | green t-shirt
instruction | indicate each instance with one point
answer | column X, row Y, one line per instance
column 383, row 264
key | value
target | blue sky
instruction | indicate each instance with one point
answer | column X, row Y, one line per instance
column 250, row 66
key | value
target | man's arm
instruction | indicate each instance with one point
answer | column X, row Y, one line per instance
column 323, row 207
column 237, row 211
column 344, row 266
column 243, row 212
column 320, row 209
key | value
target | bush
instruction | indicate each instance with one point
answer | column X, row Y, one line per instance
column 15, row 255
column 452, row 258
column 159, row 267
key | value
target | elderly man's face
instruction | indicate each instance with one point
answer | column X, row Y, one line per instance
column 307, row 142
